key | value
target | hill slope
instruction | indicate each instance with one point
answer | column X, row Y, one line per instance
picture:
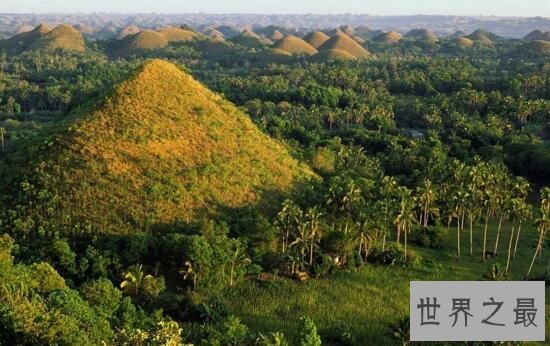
column 294, row 45
column 388, row 37
column 161, row 149
column 345, row 43
column 316, row 38
column 422, row 35
column 538, row 35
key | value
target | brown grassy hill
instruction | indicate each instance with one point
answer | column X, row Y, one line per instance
column 161, row 149
column 23, row 28
column 537, row 46
column 388, row 37
column 316, row 38
column 26, row 39
column 463, row 42
column 215, row 46
column 179, row 35
column 331, row 55
column 294, row 45
column 214, row 33
column 345, row 43
column 423, row 35
column 143, row 40
column 250, row 39
column 276, row 36
column 458, row 33
column 538, row 35
column 61, row 37
column 128, row 30
column 482, row 37
column 348, row 30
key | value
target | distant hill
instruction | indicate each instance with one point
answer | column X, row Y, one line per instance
column 161, row 149
column 228, row 31
column 538, row 35
column 273, row 55
column 294, row 45
column 463, row 42
column 423, row 35
column 250, row 39
column 173, row 34
column 482, row 37
column 63, row 37
column 316, row 38
column 276, row 36
column 389, row 37
column 142, row 41
column 128, row 30
column 345, row 43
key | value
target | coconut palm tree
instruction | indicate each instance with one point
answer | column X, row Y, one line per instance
column 406, row 216
column 287, row 221
column 543, row 224
column 135, row 280
column 314, row 221
column 2, row 134
column 524, row 213
column 426, row 199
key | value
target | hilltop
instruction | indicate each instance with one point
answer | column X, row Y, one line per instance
column 389, row 37
column 345, row 43
column 538, row 35
column 316, row 38
column 160, row 149
column 63, row 37
column 143, row 40
column 482, row 37
column 463, row 42
column 276, row 36
column 179, row 34
column 128, row 30
column 422, row 35
column 294, row 45
column 250, row 39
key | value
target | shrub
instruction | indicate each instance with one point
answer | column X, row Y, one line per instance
column 102, row 295
column 323, row 266
column 394, row 255
column 308, row 333
column 431, row 236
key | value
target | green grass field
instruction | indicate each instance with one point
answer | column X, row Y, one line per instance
column 366, row 302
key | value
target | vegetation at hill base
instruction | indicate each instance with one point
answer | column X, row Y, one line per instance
column 213, row 187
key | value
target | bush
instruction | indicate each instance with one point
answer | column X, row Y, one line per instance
column 394, row 255
column 308, row 333
column 431, row 236
column 323, row 266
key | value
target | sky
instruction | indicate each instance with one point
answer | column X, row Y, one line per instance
column 525, row 8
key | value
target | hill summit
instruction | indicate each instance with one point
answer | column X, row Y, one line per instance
column 316, row 38
column 345, row 43
column 63, row 37
column 294, row 45
column 161, row 149
column 538, row 35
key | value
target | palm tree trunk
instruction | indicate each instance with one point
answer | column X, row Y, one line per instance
column 509, row 249
column 405, row 245
column 485, row 234
column 539, row 245
column 458, row 238
column 498, row 234
column 471, row 237
column 517, row 239
column 384, row 242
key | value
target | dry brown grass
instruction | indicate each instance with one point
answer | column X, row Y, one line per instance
column 481, row 37
column 295, row 45
column 276, row 36
column 316, row 39
column 179, row 35
column 345, row 43
column 143, row 40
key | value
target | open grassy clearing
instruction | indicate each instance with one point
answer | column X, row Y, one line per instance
column 368, row 301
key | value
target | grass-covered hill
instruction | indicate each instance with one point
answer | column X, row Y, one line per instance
column 389, row 37
column 294, row 45
column 332, row 55
column 537, row 46
column 160, row 149
column 538, row 35
column 423, row 35
column 63, row 37
column 316, row 38
column 250, row 39
column 482, row 37
column 345, row 43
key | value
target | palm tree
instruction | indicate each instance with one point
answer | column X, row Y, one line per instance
column 426, row 198
column 365, row 234
column 287, row 220
column 406, row 216
column 189, row 273
column 2, row 134
column 134, row 281
column 313, row 217
column 524, row 212
column 543, row 224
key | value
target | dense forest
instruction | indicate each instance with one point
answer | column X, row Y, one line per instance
column 424, row 160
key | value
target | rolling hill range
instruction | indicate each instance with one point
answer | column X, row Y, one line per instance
column 160, row 149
